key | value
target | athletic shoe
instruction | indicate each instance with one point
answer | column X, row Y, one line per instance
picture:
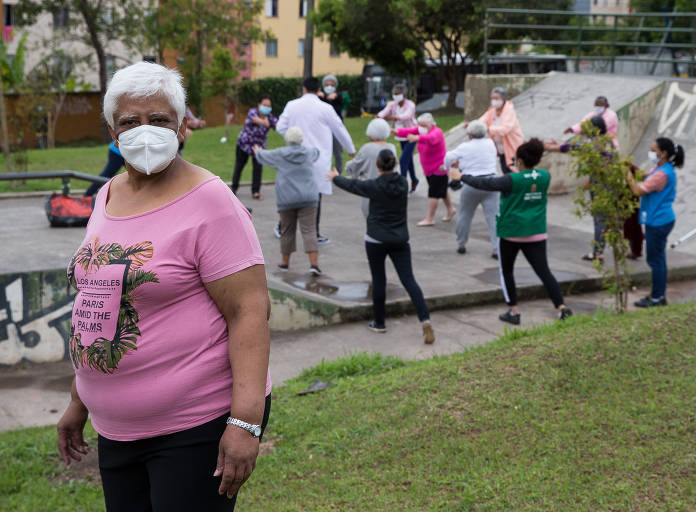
column 376, row 328
column 510, row 317
column 494, row 255
column 565, row 313
column 315, row 270
column 414, row 186
column 428, row 334
column 461, row 250
column 283, row 268
column 648, row 302
column 322, row 240
column 276, row 230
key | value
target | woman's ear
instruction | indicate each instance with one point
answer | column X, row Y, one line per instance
column 181, row 134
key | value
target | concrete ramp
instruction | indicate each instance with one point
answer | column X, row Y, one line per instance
column 675, row 117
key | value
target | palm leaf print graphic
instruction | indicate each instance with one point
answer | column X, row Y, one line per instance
column 105, row 354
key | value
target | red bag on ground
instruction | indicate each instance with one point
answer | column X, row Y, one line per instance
column 65, row 211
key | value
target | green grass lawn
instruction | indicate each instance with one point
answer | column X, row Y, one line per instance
column 202, row 148
column 594, row 414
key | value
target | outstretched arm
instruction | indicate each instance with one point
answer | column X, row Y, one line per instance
column 493, row 183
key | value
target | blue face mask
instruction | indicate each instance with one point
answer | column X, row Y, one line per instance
column 265, row 110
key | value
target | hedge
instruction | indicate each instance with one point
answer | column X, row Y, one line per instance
column 283, row 90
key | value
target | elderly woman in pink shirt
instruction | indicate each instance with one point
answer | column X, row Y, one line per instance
column 601, row 108
column 431, row 150
column 503, row 128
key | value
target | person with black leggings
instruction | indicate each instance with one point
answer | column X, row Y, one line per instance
column 521, row 224
column 387, row 235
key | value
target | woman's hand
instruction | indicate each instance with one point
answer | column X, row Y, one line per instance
column 330, row 176
column 255, row 148
column 455, row 174
column 71, row 442
column 236, row 460
column 412, row 137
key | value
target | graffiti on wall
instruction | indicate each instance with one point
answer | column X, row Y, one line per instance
column 31, row 332
column 677, row 112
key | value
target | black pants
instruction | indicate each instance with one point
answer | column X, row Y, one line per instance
column 503, row 165
column 256, row 171
column 400, row 254
column 114, row 162
column 535, row 253
column 318, row 215
column 172, row 473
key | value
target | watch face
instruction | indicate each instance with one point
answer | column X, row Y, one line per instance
column 257, row 431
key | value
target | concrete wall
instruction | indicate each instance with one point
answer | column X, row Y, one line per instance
column 477, row 90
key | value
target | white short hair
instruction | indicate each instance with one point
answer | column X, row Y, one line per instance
column 378, row 129
column 142, row 80
column 477, row 129
column 427, row 118
column 294, row 136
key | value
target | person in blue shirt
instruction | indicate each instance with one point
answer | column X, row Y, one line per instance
column 657, row 193
column 114, row 162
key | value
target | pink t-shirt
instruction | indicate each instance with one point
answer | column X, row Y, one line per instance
column 431, row 149
column 148, row 343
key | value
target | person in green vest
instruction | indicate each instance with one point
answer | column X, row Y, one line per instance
column 521, row 224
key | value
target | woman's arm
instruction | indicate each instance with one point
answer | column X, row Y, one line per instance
column 359, row 188
column 242, row 298
column 71, row 442
column 404, row 132
column 508, row 122
column 354, row 166
column 492, row 183
column 386, row 111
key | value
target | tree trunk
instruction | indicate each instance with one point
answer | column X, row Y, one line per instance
column 451, row 74
column 309, row 42
column 90, row 18
column 3, row 128
column 53, row 121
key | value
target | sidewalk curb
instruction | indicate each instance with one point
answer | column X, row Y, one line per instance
column 331, row 312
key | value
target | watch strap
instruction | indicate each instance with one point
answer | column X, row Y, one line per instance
column 254, row 430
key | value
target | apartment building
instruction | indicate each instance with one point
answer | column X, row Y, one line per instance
column 284, row 54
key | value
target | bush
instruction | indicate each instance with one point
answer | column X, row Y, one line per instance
column 283, row 90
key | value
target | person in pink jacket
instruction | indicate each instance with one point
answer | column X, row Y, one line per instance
column 431, row 151
column 611, row 120
column 503, row 128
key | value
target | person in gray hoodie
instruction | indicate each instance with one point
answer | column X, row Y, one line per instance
column 296, row 195
column 387, row 235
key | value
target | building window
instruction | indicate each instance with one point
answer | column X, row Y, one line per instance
column 272, row 48
column 333, row 51
column 8, row 12
column 61, row 18
column 300, row 48
column 272, row 8
column 303, row 8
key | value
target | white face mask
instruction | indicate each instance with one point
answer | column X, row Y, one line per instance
column 496, row 103
column 149, row 149
column 329, row 89
column 599, row 110
column 652, row 156
column 423, row 130
column 398, row 97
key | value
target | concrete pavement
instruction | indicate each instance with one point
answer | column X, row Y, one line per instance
column 37, row 394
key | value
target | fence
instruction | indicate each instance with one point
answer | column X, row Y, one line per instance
column 582, row 23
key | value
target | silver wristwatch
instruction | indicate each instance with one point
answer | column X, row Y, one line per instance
column 254, row 430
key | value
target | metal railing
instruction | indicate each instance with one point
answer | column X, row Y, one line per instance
column 65, row 176
column 583, row 24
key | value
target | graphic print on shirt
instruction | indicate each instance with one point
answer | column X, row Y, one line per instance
column 105, row 321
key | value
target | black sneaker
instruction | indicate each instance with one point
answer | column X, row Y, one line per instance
column 494, row 255
column 314, row 270
column 461, row 250
column 283, row 268
column 276, row 230
column 414, row 186
column 322, row 240
column 373, row 326
column 565, row 313
column 510, row 317
column 648, row 302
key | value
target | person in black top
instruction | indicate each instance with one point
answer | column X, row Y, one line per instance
column 387, row 235
column 330, row 95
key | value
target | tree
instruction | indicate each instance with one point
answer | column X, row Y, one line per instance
column 220, row 79
column 53, row 78
column 12, row 73
column 194, row 28
column 399, row 34
column 598, row 162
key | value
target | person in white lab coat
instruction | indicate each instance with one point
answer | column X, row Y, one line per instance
column 320, row 125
